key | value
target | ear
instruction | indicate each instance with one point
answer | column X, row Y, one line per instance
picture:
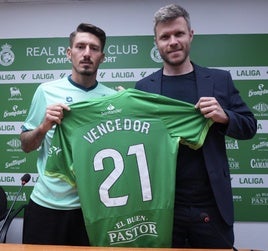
column 191, row 34
column 69, row 53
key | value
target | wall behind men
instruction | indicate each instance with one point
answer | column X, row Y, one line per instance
column 34, row 19
column 47, row 18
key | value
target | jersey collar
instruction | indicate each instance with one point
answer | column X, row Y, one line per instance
column 80, row 86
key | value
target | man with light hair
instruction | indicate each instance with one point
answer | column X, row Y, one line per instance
column 203, row 210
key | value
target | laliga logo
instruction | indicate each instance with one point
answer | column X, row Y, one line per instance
column 6, row 55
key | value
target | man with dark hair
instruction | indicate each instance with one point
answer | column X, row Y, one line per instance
column 203, row 184
column 89, row 28
column 54, row 215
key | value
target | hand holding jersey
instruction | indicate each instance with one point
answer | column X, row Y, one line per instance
column 120, row 151
column 210, row 108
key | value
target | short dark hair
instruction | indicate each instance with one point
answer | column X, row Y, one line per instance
column 90, row 28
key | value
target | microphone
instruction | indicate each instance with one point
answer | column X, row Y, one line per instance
column 24, row 179
column 206, row 219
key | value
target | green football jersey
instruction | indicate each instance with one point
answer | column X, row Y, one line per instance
column 52, row 192
column 121, row 151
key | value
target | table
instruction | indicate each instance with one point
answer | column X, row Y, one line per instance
column 27, row 247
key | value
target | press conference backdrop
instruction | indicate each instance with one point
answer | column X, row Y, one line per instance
column 25, row 63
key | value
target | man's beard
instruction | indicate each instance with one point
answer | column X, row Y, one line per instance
column 86, row 72
column 176, row 62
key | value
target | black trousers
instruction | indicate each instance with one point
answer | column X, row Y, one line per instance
column 201, row 227
column 53, row 227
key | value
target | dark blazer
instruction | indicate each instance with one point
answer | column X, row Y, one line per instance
column 242, row 125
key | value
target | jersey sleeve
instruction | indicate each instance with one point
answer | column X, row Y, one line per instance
column 189, row 124
column 181, row 119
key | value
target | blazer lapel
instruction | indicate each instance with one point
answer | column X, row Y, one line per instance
column 204, row 82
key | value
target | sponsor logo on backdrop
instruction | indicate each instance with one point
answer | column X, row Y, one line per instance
column 29, row 77
column 261, row 108
column 262, row 145
column 11, row 196
column 122, row 74
column 15, row 163
column 10, row 127
column 7, row 128
column 14, row 145
column 259, row 92
column 43, row 76
column 7, row 178
column 15, row 112
column 237, row 198
column 260, row 199
column 231, row 144
column 262, row 126
column 233, row 164
column 14, row 179
column 259, row 163
column 7, row 56
column 15, row 94
column 248, row 73
column 249, row 180
column 7, row 76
